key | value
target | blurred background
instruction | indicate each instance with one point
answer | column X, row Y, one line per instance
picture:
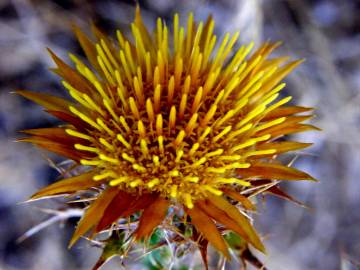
column 324, row 32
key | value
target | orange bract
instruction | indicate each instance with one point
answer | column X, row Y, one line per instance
column 168, row 120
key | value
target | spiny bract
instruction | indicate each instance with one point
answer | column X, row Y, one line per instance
column 167, row 120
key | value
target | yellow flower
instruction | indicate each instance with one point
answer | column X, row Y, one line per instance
column 168, row 120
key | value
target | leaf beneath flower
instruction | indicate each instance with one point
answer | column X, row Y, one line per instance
column 245, row 202
column 204, row 224
column 94, row 213
column 274, row 171
column 285, row 111
column 247, row 231
column 152, row 216
column 69, row 185
column 48, row 101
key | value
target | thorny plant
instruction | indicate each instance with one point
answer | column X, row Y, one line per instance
column 171, row 138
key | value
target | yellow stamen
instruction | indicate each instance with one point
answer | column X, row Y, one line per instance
column 215, row 153
column 199, row 162
column 157, row 97
column 178, row 70
column 150, row 110
column 186, row 87
column 90, row 162
column 156, row 160
column 204, row 134
column 129, row 57
column 85, row 118
column 188, row 200
column 124, row 124
column 174, row 173
column 103, row 176
column 106, row 69
column 171, row 89
column 101, row 91
column 78, row 134
column 127, row 158
column 270, row 124
column 139, row 92
column 250, row 142
column 86, row 148
column 144, row 148
column 252, row 114
column 109, row 108
column 123, row 141
column 172, row 118
column 277, row 104
column 193, row 179
column 106, row 144
column 179, row 138
column 119, row 180
column 156, row 78
column 173, row 191
column 260, row 152
column 219, row 97
column 161, row 144
column 159, row 124
column 222, row 133
column 139, row 168
column 109, row 159
column 222, row 120
column 134, row 108
column 191, row 124
column 196, row 103
column 179, row 155
column 153, row 182
column 209, row 115
column 176, row 31
column 136, row 183
column 105, row 127
column 76, row 94
column 148, row 65
column 220, row 170
column 189, row 32
column 194, row 148
column 141, row 129
column 212, row 190
column 230, row 158
column 108, row 53
column 125, row 66
column 182, row 106
column 93, row 105
column 232, row 181
column 236, row 133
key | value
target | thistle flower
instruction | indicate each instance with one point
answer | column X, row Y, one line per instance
column 169, row 121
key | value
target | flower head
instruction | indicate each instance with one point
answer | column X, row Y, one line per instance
column 168, row 120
